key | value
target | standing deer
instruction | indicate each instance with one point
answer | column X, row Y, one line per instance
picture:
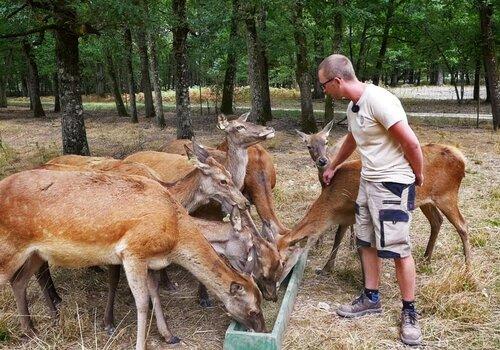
column 247, row 160
column 78, row 219
column 444, row 169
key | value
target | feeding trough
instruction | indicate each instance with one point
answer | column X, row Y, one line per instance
column 238, row 338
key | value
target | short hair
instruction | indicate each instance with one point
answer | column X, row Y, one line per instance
column 337, row 66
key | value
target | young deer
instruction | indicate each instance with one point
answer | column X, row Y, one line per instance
column 78, row 219
column 444, row 168
column 246, row 160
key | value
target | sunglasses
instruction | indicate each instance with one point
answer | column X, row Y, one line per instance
column 323, row 85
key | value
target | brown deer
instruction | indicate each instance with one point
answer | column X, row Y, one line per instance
column 256, row 165
column 208, row 180
column 77, row 219
column 444, row 168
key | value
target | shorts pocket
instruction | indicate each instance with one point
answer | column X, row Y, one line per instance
column 393, row 228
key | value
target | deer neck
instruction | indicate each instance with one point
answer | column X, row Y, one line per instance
column 195, row 254
column 187, row 190
column 236, row 163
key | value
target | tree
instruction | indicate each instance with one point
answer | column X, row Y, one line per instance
column 183, row 107
column 130, row 75
column 307, row 122
column 145, row 78
column 230, row 74
column 33, row 79
column 258, row 76
column 489, row 55
column 120, row 107
column 160, row 118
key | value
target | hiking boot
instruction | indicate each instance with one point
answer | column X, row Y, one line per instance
column 359, row 307
column 410, row 332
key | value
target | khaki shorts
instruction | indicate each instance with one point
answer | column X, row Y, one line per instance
column 383, row 217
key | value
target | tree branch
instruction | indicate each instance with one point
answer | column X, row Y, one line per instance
column 16, row 11
column 28, row 32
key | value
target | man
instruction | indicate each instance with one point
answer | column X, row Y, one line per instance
column 392, row 164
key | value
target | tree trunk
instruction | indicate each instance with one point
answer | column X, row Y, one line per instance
column 158, row 105
column 3, row 90
column 338, row 31
column 33, row 81
column 145, row 79
column 130, row 75
column 391, row 7
column 477, row 79
column 57, row 101
column 489, row 56
column 73, row 124
column 318, row 53
column 230, row 74
column 182, row 103
column 362, row 51
column 120, row 107
column 307, row 122
column 101, row 81
column 257, row 69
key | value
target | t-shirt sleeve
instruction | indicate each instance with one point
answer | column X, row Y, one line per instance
column 388, row 110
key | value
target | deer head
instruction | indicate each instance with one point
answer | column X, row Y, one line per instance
column 267, row 267
column 242, row 133
column 244, row 303
column 290, row 252
column 317, row 144
column 216, row 182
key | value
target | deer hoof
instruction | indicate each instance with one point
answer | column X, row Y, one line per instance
column 110, row 330
column 205, row 303
column 173, row 340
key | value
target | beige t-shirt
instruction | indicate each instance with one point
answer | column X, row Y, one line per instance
column 382, row 157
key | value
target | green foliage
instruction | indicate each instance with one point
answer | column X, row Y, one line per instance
column 423, row 35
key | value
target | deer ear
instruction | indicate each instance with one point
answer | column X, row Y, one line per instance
column 303, row 136
column 235, row 288
column 268, row 232
column 296, row 248
column 328, row 127
column 244, row 116
column 222, row 122
column 200, row 152
column 236, row 218
column 189, row 152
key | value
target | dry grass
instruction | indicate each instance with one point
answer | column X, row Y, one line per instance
column 459, row 309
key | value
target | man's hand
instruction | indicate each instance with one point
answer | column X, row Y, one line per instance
column 419, row 179
column 328, row 175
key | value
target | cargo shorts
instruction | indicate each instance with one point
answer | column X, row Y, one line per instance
column 383, row 217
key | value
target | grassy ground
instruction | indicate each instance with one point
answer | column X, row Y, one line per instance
column 458, row 310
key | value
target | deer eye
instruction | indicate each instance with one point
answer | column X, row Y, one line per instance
column 223, row 182
column 309, row 147
column 240, row 127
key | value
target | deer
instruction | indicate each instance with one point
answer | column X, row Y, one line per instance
column 207, row 180
column 78, row 219
column 444, row 169
column 246, row 160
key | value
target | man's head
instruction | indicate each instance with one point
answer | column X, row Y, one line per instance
column 333, row 74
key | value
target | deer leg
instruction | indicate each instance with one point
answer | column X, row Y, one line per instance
column 19, row 283
column 165, row 280
column 161, row 323
column 452, row 212
column 339, row 235
column 109, row 317
column 137, row 276
column 203, row 296
column 48, row 288
column 435, row 220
